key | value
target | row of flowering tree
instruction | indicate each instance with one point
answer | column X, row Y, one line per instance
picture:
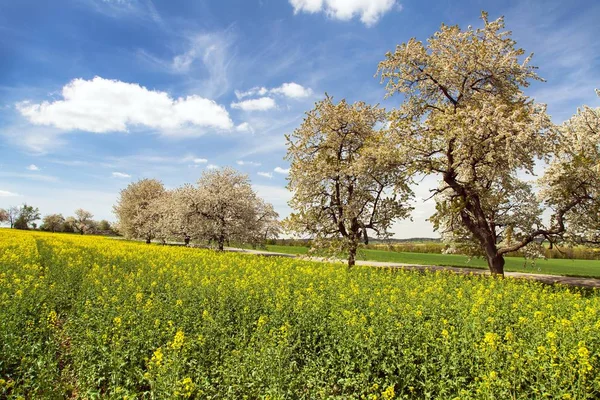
column 222, row 207
column 463, row 117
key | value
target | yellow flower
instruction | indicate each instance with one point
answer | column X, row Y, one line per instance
column 389, row 393
column 262, row 320
column 491, row 339
column 157, row 357
column 52, row 318
column 178, row 340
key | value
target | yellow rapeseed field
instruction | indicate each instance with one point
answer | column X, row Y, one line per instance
column 89, row 317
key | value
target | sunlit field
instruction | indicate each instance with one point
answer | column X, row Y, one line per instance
column 88, row 317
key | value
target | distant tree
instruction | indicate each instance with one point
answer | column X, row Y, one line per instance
column 222, row 208
column 342, row 177
column 174, row 221
column 266, row 225
column 26, row 217
column 69, row 225
column 13, row 213
column 53, row 223
column 3, row 216
column 104, row 226
column 83, row 221
column 137, row 209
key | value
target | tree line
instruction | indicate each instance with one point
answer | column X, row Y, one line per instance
column 219, row 209
column 462, row 117
column 24, row 217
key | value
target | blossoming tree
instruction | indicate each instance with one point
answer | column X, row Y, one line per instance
column 223, row 207
column 137, row 209
column 342, row 182
column 465, row 118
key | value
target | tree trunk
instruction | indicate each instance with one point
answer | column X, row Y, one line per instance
column 351, row 256
column 496, row 264
column 147, row 240
column 221, row 243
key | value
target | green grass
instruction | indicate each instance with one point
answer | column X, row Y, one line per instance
column 587, row 268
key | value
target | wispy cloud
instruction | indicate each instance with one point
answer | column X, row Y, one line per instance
column 33, row 167
column 256, row 91
column 205, row 59
column 566, row 50
column 265, row 174
column 260, row 104
column 144, row 9
column 212, row 166
column 121, row 175
column 5, row 193
column 250, row 163
column 33, row 177
column 290, row 89
column 244, row 127
column 282, row 171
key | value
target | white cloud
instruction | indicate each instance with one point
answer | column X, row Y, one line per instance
column 212, row 166
column 33, row 167
column 252, row 163
column 200, row 160
column 35, row 177
column 288, row 89
column 244, row 127
column 266, row 174
column 256, row 91
column 293, row 90
column 260, row 104
column 103, row 105
column 4, row 193
column 120, row 175
column 369, row 10
column 282, row 171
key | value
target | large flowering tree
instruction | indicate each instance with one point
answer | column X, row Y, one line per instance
column 138, row 210
column 343, row 184
column 465, row 118
column 223, row 207
column 572, row 181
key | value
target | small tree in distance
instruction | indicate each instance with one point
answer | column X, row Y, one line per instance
column 53, row 223
column 13, row 214
column 3, row 216
column 83, row 221
column 223, row 207
column 26, row 217
column 344, row 179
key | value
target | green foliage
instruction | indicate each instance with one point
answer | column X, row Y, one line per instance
column 27, row 215
column 89, row 317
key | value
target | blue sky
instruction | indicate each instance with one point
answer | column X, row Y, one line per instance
column 95, row 94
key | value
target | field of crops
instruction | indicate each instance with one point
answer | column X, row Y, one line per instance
column 87, row 317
